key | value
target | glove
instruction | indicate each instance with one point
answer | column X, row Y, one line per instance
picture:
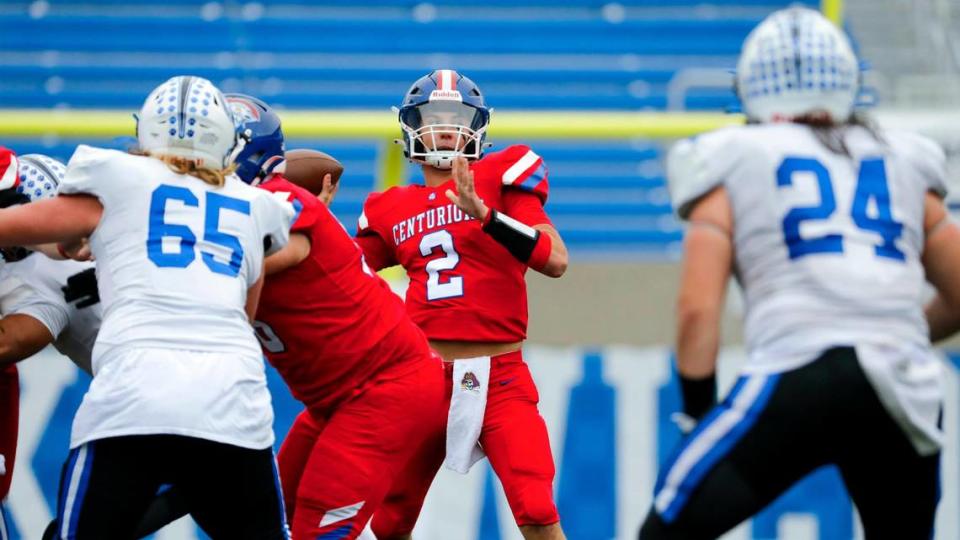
column 82, row 286
column 699, row 395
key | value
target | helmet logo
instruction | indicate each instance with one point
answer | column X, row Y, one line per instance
column 243, row 110
column 449, row 95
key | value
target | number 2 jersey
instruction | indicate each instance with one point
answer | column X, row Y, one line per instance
column 329, row 324
column 827, row 246
column 464, row 285
column 175, row 258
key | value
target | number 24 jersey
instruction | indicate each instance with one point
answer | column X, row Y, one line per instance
column 463, row 284
column 827, row 244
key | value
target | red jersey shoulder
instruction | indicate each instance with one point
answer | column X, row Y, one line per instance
column 305, row 204
column 379, row 203
column 516, row 167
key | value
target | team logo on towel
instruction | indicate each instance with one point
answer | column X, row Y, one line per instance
column 470, row 382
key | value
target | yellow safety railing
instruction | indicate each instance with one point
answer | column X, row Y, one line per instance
column 93, row 124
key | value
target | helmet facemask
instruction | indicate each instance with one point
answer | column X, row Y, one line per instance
column 439, row 131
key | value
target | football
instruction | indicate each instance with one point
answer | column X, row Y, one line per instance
column 306, row 168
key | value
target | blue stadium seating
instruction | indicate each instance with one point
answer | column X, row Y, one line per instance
column 608, row 199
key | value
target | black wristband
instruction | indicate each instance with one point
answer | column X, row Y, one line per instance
column 518, row 238
column 699, row 395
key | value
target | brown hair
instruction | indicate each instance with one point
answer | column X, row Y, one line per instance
column 182, row 165
column 830, row 133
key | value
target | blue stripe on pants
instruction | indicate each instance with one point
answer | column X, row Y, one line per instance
column 65, row 484
column 707, row 420
column 81, row 490
column 4, row 533
column 283, row 508
column 726, row 441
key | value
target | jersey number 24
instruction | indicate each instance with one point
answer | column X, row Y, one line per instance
column 871, row 184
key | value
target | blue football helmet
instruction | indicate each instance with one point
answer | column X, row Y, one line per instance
column 443, row 116
column 260, row 126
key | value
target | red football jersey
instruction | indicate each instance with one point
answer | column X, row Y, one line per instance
column 321, row 322
column 464, row 285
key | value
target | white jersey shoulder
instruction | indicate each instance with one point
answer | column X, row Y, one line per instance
column 41, row 297
column 698, row 165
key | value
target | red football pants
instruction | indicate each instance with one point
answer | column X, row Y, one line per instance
column 514, row 437
column 9, row 423
column 335, row 470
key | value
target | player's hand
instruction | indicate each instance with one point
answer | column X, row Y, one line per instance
column 466, row 197
column 329, row 190
column 82, row 286
column 78, row 250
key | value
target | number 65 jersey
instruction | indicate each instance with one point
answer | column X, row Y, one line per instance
column 463, row 284
column 827, row 245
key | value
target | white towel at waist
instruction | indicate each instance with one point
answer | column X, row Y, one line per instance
column 471, row 378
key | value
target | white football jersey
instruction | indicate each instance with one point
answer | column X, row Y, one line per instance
column 33, row 287
column 827, row 246
column 175, row 258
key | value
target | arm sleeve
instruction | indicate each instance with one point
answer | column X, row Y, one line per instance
column 929, row 161
column 51, row 313
column 696, row 166
column 274, row 217
column 525, row 207
column 376, row 249
column 306, row 206
column 524, row 170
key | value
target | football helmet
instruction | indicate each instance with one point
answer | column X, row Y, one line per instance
column 443, row 116
column 40, row 176
column 260, row 127
column 795, row 62
column 189, row 117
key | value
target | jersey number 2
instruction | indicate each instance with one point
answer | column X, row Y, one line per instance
column 186, row 253
column 453, row 287
column 871, row 184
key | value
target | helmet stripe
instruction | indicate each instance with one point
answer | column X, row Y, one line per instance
column 446, row 80
column 47, row 171
column 185, row 83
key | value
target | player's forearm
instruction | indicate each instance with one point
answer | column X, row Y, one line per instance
column 557, row 262
column 296, row 250
column 698, row 340
column 21, row 336
column 943, row 319
column 59, row 219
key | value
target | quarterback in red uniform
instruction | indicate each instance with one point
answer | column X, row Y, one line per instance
column 345, row 347
column 466, row 238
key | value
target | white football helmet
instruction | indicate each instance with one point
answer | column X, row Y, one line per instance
column 795, row 62
column 188, row 117
column 40, row 176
